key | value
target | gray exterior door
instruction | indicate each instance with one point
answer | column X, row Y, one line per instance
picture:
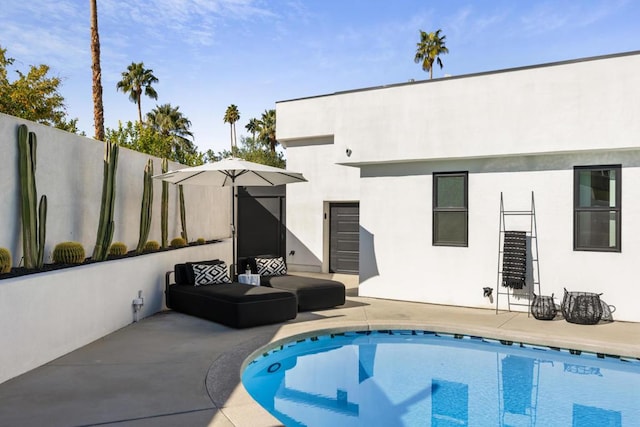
column 344, row 238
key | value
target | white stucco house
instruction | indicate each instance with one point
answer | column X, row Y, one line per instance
column 405, row 182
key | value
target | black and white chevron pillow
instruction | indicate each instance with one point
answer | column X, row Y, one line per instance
column 271, row 266
column 210, row 274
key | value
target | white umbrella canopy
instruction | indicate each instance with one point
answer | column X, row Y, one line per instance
column 232, row 172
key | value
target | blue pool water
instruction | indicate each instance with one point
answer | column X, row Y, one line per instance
column 418, row 378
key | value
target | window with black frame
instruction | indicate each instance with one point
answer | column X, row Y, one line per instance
column 597, row 197
column 450, row 209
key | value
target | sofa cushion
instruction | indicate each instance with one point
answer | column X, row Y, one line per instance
column 312, row 293
column 234, row 304
column 205, row 274
column 271, row 266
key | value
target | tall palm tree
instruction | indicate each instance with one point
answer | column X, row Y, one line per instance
column 267, row 129
column 429, row 49
column 136, row 80
column 98, row 108
column 253, row 126
column 169, row 122
column 231, row 116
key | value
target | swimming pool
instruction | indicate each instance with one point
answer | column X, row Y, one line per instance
column 421, row 378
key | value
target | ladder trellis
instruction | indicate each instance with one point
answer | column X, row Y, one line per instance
column 512, row 250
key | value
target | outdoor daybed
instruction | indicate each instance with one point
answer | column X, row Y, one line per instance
column 312, row 293
column 209, row 294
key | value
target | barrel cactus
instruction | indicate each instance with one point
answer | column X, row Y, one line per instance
column 5, row 260
column 178, row 242
column 117, row 249
column 151, row 246
column 68, row 253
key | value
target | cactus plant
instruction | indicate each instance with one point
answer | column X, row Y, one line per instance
column 183, row 215
column 178, row 242
column 33, row 219
column 151, row 246
column 117, row 249
column 200, row 241
column 68, row 253
column 5, row 260
column 146, row 207
column 164, row 208
column 42, row 229
column 106, row 224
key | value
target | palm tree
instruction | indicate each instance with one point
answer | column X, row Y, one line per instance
column 136, row 80
column 231, row 116
column 253, row 126
column 98, row 108
column 267, row 129
column 171, row 124
column 429, row 49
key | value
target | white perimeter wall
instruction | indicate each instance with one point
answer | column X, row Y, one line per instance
column 515, row 131
column 69, row 171
column 46, row 315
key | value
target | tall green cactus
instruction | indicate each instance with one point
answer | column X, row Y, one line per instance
column 33, row 219
column 106, row 225
column 164, row 211
column 183, row 215
column 146, row 207
column 42, row 229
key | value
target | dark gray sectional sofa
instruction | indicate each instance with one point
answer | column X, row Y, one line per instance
column 232, row 304
column 312, row 293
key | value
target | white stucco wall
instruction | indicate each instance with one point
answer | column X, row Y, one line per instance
column 403, row 264
column 69, row 171
column 46, row 315
column 515, row 131
column 307, row 203
column 540, row 109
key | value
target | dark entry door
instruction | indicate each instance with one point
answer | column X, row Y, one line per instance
column 261, row 221
column 344, row 238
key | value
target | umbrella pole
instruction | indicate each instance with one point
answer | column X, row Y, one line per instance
column 233, row 231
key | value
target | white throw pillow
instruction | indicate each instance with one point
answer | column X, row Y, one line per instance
column 271, row 266
column 210, row 274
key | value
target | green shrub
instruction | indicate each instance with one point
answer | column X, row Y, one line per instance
column 178, row 242
column 5, row 260
column 68, row 253
column 200, row 241
column 151, row 246
column 118, row 248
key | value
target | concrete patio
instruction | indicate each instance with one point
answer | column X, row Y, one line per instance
column 172, row 369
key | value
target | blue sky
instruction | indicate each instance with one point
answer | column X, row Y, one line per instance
column 208, row 54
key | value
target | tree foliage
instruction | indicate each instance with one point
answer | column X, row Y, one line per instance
column 253, row 151
column 146, row 139
column 267, row 129
column 136, row 81
column 231, row 116
column 33, row 95
column 429, row 49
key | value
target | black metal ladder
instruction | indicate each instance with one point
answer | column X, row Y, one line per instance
column 532, row 236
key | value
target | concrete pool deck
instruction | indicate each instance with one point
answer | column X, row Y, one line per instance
column 171, row 369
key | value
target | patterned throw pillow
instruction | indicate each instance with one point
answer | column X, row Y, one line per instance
column 210, row 274
column 271, row 266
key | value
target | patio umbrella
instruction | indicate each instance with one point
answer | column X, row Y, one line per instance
column 232, row 172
